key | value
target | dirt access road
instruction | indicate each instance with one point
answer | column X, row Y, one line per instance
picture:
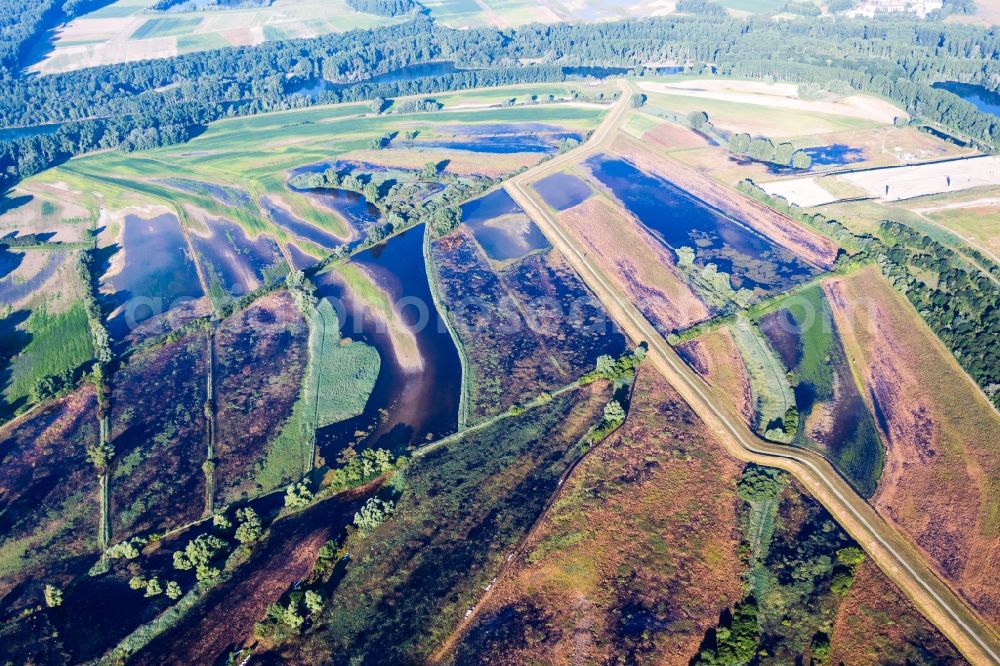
column 887, row 547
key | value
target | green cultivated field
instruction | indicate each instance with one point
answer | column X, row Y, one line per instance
column 165, row 27
column 60, row 342
column 345, row 373
column 757, row 119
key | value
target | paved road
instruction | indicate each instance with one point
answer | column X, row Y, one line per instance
column 884, row 544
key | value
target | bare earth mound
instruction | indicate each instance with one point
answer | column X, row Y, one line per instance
column 643, row 535
column 941, row 480
column 671, row 136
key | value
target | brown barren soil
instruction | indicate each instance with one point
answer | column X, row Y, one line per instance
column 671, row 136
column 715, row 357
column 260, row 358
column 225, row 619
column 941, row 481
column 876, row 624
column 636, row 558
column 640, row 264
column 806, row 243
column 48, row 498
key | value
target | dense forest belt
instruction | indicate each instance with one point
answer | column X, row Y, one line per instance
column 893, row 553
column 151, row 103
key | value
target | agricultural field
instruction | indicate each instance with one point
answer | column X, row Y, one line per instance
column 940, row 462
column 45, row 334
column 509, row 13
column 830, row 152
column 974, row 221
column 125, row 30
column 773, row 110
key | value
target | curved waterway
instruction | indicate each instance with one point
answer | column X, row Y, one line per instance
column 409, row 405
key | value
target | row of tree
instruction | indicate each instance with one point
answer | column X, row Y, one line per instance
column 762, row 149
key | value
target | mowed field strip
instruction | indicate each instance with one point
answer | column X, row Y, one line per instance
column 887, row 547
column 778, row 95
column 892, row 183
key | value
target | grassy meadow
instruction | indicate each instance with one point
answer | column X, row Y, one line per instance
column 772, row 392
column 344, row 372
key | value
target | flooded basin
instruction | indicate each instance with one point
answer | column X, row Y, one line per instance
column 300, row 259
column 834, row 417
column 836, row 154
column 680, row 220
column 562, row 190
column 229, row 196
column 351, row 206
column 500, row 138
column 412, row 402
column 985, row 100
column 297, row 227
column 151, row 273
column 501, row 227
column 234, row 264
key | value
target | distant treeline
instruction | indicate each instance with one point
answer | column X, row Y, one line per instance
column 147, row 103
column 203, row 5
column 383, row 7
